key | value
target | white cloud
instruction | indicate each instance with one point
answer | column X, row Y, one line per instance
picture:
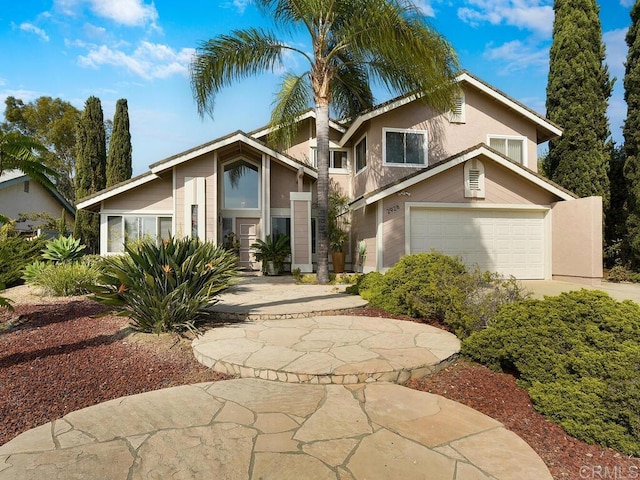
column 31, row 28
column 517, row 56
column 626, row 3
column 148, row 61
column 534, row 15
column 425, row 8
column 616, row 50
column 241, row 5
column 132, row 13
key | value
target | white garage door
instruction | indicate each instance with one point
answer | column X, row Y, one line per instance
column 509, row 242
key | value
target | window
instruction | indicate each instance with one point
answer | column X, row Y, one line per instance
column 404, row 147
column 121, row 229
column 361, row 154
column 194, row 221
column 241, row 185
column 458, row 114
column 337, row 159
column 512, row 147
column 26, row 186
column 280, row 226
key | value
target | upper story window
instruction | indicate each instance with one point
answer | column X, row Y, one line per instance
column 241, row 185
column 337, row 159
column 511, row 146
column 458, row 114
column 404, row 147
column 361, row 154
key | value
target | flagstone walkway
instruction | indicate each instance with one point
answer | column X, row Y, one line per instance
column 319, row 403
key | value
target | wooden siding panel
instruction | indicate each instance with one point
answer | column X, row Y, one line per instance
column 153, row 196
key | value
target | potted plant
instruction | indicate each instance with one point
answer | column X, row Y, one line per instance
column 338, row 236
column 272, row 253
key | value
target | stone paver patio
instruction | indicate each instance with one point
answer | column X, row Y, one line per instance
column 328, row 349
column 257, row 429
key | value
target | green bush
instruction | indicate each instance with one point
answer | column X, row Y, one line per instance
column 166, row 287
column 62, row 279
column 434, row 285
column 577, row 354
column 20, row 252
column 620, row 273
column 63, row 249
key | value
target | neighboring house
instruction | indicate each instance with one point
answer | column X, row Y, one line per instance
column 461, row 182
column 20, row 194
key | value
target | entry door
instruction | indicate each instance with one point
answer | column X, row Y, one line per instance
column 247, row 229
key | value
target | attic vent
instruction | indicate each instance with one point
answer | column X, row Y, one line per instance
column 457, row 114
column 474, row 179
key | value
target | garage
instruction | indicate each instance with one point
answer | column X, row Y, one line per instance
column 507, row 241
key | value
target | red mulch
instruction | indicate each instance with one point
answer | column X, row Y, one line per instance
column 59, row 357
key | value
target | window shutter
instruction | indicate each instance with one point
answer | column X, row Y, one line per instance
column 474, row 179
column 457, row 114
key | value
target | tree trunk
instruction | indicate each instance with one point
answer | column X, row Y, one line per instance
column 322, row 137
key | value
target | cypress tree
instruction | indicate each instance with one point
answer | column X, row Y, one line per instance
column 631, row 132
column 578, row 92
column 91, row 160
column 119, row 158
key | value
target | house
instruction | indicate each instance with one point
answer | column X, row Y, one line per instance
column 19, row 194
column 463, row 182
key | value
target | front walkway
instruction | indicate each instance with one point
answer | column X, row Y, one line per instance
column 251, row 428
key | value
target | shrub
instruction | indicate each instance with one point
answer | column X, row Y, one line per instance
column 166, row 287
column 62, row 279
column 577, row 354
column 619, row 273
column 21, row 252
column 433, row 285
column 63, row 249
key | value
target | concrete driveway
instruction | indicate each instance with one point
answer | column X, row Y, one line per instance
column 619, row 291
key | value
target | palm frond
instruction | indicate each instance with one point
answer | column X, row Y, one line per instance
column 227, row 58
column 350, row 87
column 19, row 152
column 293, row 97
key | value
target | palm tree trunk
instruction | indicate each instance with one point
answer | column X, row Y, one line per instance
column 322, row 137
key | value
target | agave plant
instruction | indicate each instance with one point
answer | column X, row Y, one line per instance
column 168, row 286
column 63, row 249
column 272, row 250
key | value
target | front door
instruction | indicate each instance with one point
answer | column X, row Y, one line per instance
column 247, row 229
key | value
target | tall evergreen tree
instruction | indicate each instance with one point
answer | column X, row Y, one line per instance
column 91, row 160
column 119, row 158
column 578, row 91
column 631, row 132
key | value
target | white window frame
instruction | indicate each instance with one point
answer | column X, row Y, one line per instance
column 366, row 155
column 414, row 131
column 224, row 197
column 459, row 113
column 525, row 161
column 332, row 169
column 122, row 216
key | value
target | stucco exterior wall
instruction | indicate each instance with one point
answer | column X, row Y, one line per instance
column 14, row 201
column 283, row 181
column 577, row 240
column 198, row 167
column 155, row 196
column 484, row 116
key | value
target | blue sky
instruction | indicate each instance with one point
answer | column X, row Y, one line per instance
column 140, row 50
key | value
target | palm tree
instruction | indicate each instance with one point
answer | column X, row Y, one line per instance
column 20, row 152
column 353, row 42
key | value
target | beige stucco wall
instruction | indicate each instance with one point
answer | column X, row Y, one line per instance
column 484, row 116
column 283, row 181
column 198, row 167
column 155, row 196
column 14, row 201
column 577, row 240
column 301, row 221
column 363, row 227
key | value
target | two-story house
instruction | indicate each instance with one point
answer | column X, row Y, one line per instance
column 463, row 182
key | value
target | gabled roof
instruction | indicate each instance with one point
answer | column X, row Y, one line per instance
column 13, row 177
column 309, row 113
column 457, row 159
column 545, row 128
column 157, row 168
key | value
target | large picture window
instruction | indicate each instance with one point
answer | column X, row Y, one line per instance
column 512, row 147
column 280, row 226
column 128, row 228
column 404, row 147
column 241, row 185
column 361, row 154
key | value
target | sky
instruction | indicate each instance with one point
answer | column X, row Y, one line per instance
column 141, row 49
